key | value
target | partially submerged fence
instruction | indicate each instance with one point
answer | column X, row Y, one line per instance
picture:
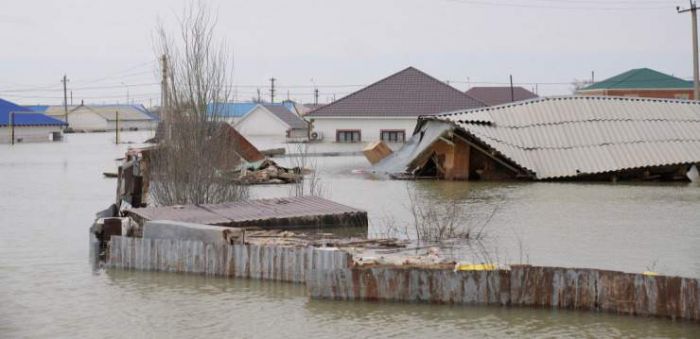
column 553, row 287
column 329, row 273
column 279, row 263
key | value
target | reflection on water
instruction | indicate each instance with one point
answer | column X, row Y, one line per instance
column 50, row 192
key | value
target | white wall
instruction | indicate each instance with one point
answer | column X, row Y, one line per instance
column 28, row 133
column 140, row 125
column 86, row 120
column 260, row 122
column 370, row 127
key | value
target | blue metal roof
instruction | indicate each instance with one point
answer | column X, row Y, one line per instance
column 26, row 117
column 231, row 109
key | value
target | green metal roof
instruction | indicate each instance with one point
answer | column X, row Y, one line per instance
column 641, row 78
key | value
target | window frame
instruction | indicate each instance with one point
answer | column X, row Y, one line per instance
column 402, row 131
column 338, row 131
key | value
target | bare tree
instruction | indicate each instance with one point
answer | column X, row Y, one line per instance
column 195, row 149
column 310, row 184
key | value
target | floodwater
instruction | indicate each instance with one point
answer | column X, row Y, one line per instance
column 49, row 193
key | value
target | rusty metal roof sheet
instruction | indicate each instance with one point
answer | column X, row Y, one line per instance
column 570, row 136
column 248, row 211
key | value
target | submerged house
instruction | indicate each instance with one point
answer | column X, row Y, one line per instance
column 386, row 110
column 25, row 125
column 99, row 118
column 272, row 120
column 560, row 138
column 492, row 96
column 642, row 82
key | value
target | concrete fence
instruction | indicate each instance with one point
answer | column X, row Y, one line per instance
column 279, row 263
column 551, row 287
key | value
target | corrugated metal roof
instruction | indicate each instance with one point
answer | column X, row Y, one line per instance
column 24, row 116
column 408, row 93
column 570, row 136
column 247, row 211
column 108, row 112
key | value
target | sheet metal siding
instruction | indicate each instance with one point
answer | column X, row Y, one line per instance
column 582, row 289
column 279, row 263
column 570, row 136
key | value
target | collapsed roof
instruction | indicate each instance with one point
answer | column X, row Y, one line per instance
column 566, row 137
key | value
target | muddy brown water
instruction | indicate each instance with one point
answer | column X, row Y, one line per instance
column 50, row 192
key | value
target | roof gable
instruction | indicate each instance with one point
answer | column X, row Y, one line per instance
column 499, row 95
column 230, row 109
column 641, row 78
column 408, row 93
column 288, row 117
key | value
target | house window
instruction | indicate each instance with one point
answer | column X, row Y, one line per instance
column 393, row 135
column 351, row 135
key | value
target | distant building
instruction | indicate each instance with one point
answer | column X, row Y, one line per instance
column 492, row 96
column 274, row 120
column 642, row 82
column 28, row 125
column 386, row 110
column 98, row 118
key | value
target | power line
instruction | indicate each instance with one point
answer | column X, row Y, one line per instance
column 493, row 3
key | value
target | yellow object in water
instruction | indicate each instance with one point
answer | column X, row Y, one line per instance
column 650, row 273
column 475, row 267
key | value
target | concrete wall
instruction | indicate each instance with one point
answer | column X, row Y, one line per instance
column 552, row 287
column 370, row 128
column 260, row 122
column 280, row 263
column 28, row 133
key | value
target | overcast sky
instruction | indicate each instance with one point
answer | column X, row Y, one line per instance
column 340, row 43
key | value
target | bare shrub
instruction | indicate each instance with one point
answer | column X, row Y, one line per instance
column 439, row 221
column 194, row 150
column 310, row 184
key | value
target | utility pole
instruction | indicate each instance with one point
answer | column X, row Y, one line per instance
column 315, row 96
column 116, row 130
column 163, row 89
column 272, row 90
column 65, row 98
column 71, row 98
column 696, row 73
column 592, row 77
column 512, row 93
column 259, row 99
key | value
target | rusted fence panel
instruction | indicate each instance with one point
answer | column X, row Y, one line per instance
column 280, row 263
column 551, row 287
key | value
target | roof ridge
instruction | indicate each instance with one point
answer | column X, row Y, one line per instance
column 372, row 85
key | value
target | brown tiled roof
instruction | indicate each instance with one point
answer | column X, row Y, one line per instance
column 499, row 95
column 290, row 118
column 407, row 93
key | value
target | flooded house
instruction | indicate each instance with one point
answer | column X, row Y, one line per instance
column 558, row 138
column 387, row 109
column 100, row 118
column 20, row 124
column 642, row 82
column 273, row 120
